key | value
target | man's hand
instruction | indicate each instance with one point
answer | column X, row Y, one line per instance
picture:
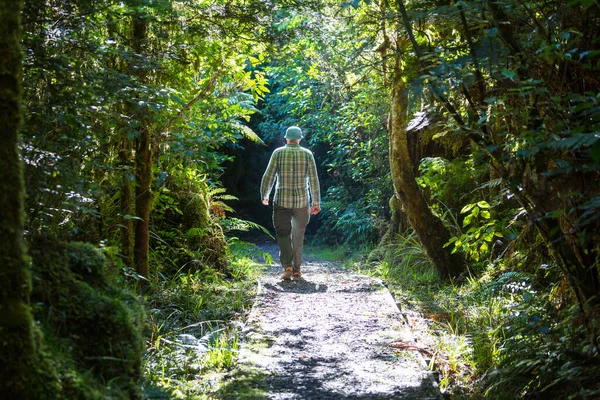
column 315, row 209
column 265, row 202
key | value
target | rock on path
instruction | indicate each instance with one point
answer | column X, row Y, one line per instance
column 329, row 336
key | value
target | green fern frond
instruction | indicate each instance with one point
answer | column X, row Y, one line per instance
column 512, row 281
column 236, row 224
column 241, row 98
column 225, row 197
column 577, row 141
column 491, row 184
column 247, row 132
column 217, row 190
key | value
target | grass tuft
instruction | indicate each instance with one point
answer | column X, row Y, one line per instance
column 193, row 325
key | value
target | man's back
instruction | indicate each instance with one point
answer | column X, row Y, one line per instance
column 296, row 173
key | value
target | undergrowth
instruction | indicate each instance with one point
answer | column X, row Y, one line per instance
column 194, row 321
column 499, row 334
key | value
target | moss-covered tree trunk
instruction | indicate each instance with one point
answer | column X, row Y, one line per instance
column 143, row 201
column 17, row 345
column 126, row 200
column 431, row 231
column 143, row 160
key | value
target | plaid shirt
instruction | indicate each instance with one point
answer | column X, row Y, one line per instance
column 296, row 173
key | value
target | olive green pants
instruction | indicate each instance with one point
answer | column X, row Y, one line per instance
column 290, row 225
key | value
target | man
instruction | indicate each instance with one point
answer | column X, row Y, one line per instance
column 296, row 173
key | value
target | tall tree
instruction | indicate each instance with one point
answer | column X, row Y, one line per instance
column 430, row 229
column 521, row 87
column 143, row 151
column 17, row 346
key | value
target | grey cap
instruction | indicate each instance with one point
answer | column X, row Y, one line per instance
column 293, row 133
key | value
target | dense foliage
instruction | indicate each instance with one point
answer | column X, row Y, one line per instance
column 139, row 117
column 496, row 103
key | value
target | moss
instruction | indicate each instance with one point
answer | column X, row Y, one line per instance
column 92, row 327
column 199, row 242
column 31, row 373
column 87, row 262
column 196, row 211
column 245, row 383
column 204, row 234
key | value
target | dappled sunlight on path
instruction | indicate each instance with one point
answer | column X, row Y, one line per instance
column 328, row 336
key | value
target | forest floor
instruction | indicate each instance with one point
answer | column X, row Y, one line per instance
column 332, row 335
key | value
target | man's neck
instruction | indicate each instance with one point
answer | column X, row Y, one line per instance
column 293, row 141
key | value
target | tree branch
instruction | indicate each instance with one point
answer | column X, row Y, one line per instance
column 407, row 25
column 165, row 128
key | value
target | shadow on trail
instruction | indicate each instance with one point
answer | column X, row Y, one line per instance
column 301, row 286
column 304, row 380
column 326, row 337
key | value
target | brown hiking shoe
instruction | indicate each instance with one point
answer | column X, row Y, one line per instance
column 297, row 275
column 287, row 275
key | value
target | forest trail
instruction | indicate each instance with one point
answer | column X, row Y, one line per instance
column 333, row 335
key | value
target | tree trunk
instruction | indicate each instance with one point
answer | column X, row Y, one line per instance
column 143, row 201
column 398, row 222
column 431, row 231
column 143, row 161
column 126, row 200
column 17, row 346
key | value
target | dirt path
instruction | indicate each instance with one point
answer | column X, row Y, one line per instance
column 330, row 336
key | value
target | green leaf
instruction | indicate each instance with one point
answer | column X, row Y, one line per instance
column 509, row 74
column 483, row 204
column 467, row 220
column 485, row 214
column 452, row 240
column 128, row 217
column 466, row 208
column 250, row 134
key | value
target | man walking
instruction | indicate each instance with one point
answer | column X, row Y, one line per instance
column 296, row 173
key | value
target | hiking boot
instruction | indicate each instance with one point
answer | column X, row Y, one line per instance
column 297, row 275
column 287, row 275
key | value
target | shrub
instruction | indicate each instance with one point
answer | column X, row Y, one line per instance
column 91, row 326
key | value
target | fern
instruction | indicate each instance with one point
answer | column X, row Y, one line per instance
column 246, row 132
column 512, row 281
column 226, row 197
column 236, row 224
column 216, row 198
column 494, row 183
column 575, row 142
column 216, row 190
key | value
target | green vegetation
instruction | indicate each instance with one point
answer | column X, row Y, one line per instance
column 502, row 334
column 91, row 327
column 458, row 140
column 194, row 320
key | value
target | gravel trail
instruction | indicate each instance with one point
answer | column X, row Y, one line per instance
column 332, row 335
